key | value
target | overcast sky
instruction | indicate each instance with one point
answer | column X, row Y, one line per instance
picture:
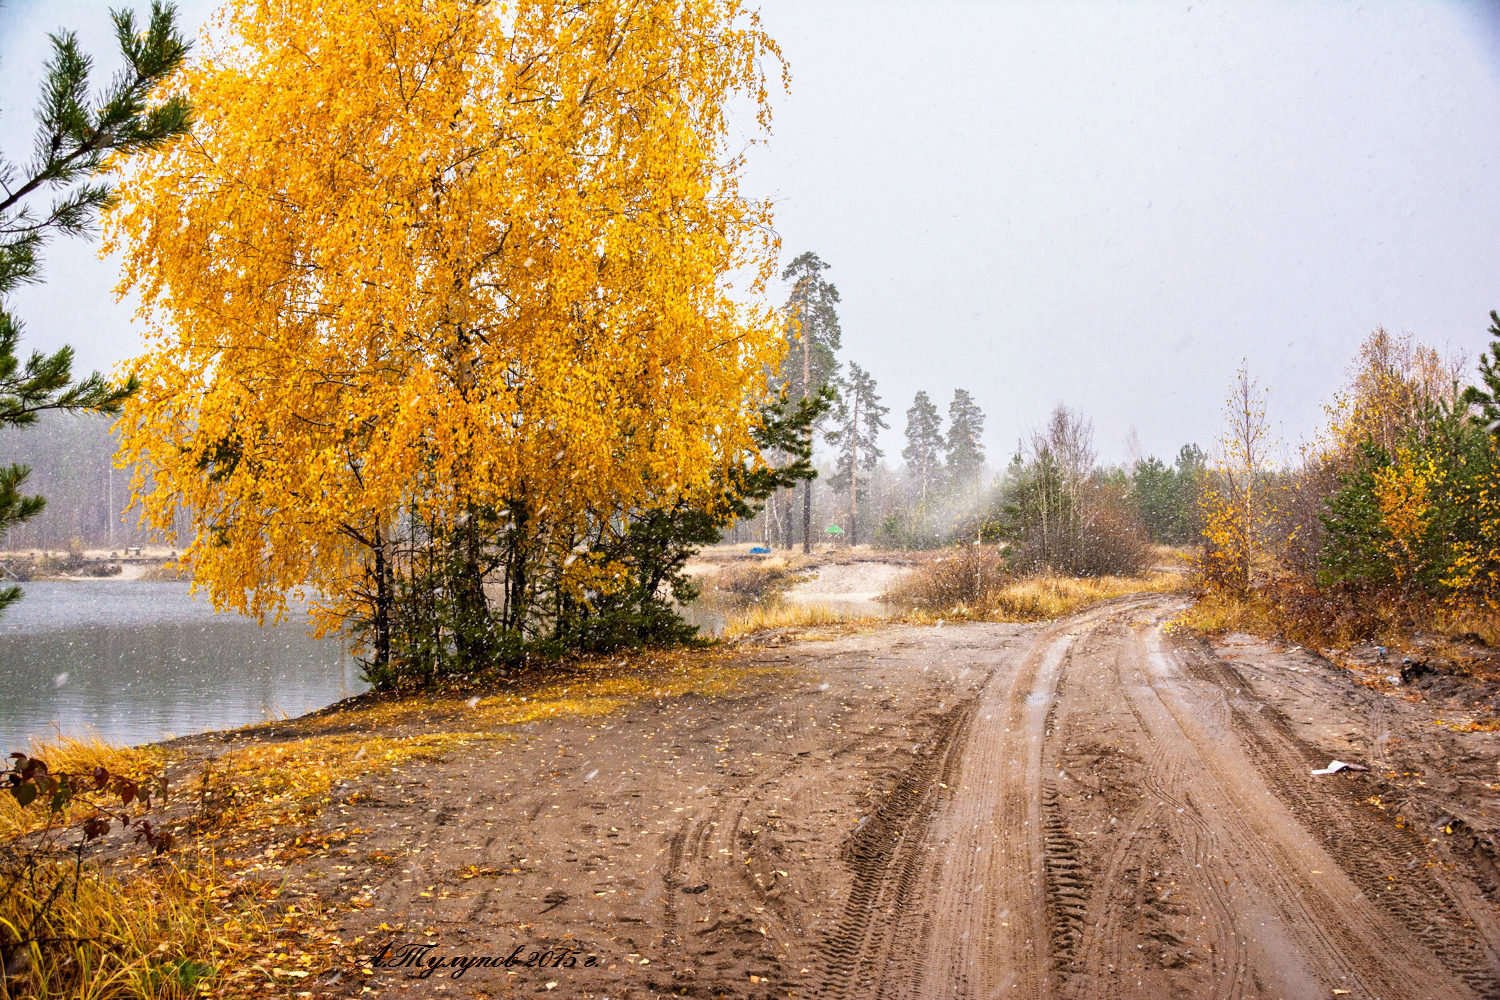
column 1104, row 205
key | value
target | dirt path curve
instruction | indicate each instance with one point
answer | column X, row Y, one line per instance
column 1123, row 818
column 1096, row 807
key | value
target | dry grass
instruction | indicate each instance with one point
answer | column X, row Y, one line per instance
column 761, row 618
column 1290, row 608
column 163, row 930
column 76, row 755
column 89, row 750
column 168, row 930
column 1332, row 622
column 125, row 926
column 974, row 582
column 1215, row 613
column 1466, row 626
column 1176, row 556
column 1035, row 598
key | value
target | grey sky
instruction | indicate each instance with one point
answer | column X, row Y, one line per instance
column 1103, row 205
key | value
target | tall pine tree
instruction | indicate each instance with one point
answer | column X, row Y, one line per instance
column 924, row 445
column 965, row 429
column 75, row 139
column 813, row 334
column 858, row 420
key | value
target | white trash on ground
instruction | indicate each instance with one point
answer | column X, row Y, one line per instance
column 1335, row 766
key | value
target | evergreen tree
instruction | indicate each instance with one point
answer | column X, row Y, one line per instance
column 1357, row 547
column 813, row 334
column 1488, row 398
column 1166, row 497
column 924, row 444
column 74, row 140
column 965, row 428
column 1192, row 463
column 1153, row 494
column 858, row 420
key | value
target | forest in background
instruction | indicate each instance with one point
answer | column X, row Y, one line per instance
column 73, row 464
column 1388, row 525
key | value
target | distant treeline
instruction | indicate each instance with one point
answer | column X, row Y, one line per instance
column 72, row 465
column 1054, row 503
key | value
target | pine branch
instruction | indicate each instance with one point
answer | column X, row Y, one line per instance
column 72, row 142
column 71, row 146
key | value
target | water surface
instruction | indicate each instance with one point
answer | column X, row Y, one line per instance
column 137, row 661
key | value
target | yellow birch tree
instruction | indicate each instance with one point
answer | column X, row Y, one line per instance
column 444, row 256
column 1236, row 505
column 1390, row 385
column 1404, row 491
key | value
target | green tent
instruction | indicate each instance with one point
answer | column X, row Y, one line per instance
column 833, row 529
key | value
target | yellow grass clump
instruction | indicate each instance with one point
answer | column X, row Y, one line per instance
column 76, row 755
column 89, row 750
column 762, row 618
column 1034, row 598
column 1218, row 612
column 974, row 582
column 167, row 930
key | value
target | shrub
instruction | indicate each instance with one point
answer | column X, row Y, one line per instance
column 965, row 576
column 975, row 580
column 1114, row 541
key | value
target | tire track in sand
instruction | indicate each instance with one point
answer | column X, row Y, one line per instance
column 1301, row 923
column 1006, row 883
column 1437, row 908
column 960, row 910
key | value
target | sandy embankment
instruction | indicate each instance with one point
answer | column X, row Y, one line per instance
column 845, row 582
column 853, row 588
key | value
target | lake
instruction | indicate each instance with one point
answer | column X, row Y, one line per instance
column 137, row 661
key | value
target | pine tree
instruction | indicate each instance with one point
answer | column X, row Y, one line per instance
column 1153, row 494
column 812, row 333
column 1192, row 465
column 74, row 141
column 965, row 428
column 1488, row 398
column 858, row 420
column 924, row 445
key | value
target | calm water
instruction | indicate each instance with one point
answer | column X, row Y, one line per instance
column 137, row 661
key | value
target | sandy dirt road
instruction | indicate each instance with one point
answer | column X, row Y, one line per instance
column 1094, row 807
